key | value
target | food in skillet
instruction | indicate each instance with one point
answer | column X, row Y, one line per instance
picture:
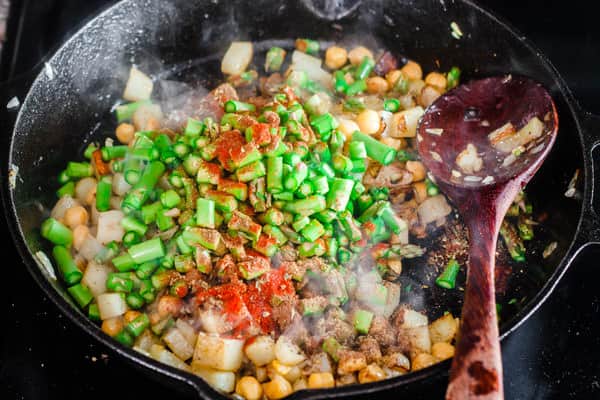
column 255, row 236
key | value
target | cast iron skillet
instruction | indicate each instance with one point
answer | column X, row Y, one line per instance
column 67, row 106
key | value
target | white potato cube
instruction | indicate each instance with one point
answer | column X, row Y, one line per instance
column 218, row 353
column 260, row 350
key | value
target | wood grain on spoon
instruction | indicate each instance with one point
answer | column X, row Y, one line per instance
column 483, row 141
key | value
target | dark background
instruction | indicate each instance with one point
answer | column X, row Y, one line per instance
column 554, row 355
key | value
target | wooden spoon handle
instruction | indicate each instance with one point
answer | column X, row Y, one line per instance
column 477, row 365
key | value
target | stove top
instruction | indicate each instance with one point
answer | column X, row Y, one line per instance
column 554, row 355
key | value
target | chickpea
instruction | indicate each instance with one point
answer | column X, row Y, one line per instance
column 125, row 133
column 392, row 77
column 437, row 80
column 130, row 316
column 76, row 216
column 249, row 388
column 412, row 71
column 368, row 121
column 336, row 57
column 80, row 233
column 112, row 326
column 169, row 305
column 152, row 124
column 357, row 54
column 377, row 85
column 321, row 380
column 348, row 127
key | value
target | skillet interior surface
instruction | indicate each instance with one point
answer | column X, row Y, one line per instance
column 68, row 105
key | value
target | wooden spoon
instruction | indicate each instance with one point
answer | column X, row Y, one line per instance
column 495, row 161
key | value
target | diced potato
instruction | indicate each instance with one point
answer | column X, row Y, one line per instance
column 412, row 318
column 287, row 352
column 223, row 381
column 277, row 388
column 372, row 373
column 347, row 379
column 419, row 339
column 159, row 353
column 260, row 350
column 422, row 360
column 443, row 329
column 218, row 353
column 188, row 331
column 442, row 350
column 236, row 59
column 139, row 86
column 351, row 361
column 300, row 384
column 178, row 344
column 95, row 276
column 404, row 123
column 111, row 305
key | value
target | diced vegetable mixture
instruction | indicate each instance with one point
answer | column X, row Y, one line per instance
column 256, row 239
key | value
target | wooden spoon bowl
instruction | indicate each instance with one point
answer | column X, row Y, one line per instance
column 483, row 141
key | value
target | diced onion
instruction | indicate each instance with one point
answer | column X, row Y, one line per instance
column 95, row 276
column 261, row 350
column 433, row 209
column 236, row 59
column 119, row 185
column 312, row 66
column 62, row 205
column 145, row 114
column 187, row 331
column 404, row 123
column 90, row 248
column 109, row 226
column 139, row 86
column 83, row 189
column 111, row 305
column 287, row 352
column 178, row 344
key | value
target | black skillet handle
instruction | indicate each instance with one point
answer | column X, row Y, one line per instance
column 589, row 231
